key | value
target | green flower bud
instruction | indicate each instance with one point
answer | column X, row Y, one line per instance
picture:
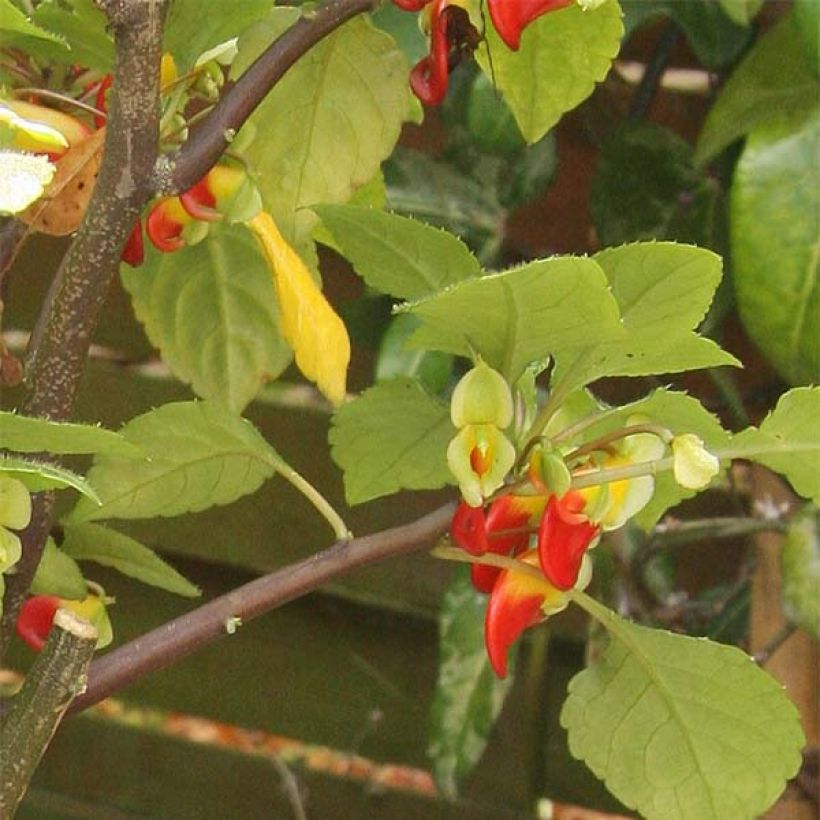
column 554, row 472
column 15, row 503
column 482, row 397
column 693, row 465
column 480, row 456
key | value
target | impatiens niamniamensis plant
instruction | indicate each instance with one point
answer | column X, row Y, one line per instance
column 237, row 148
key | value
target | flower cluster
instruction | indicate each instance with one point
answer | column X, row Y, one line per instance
column 535, row 529
column 452, row 35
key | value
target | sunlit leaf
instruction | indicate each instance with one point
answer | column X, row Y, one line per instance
column 37, row 475
column 682, row 728
column 58, row 574
column 197, row 455
column 393, row 437
column 23, row 178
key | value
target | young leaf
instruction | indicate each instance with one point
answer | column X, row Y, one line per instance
column 38, row 476
column 25, row 434
column 395, row 254
column 468, row 694
column 521, row 315
column 663, row 291
column 197, row 455
column 316, row 148
column 775, row 241
column 800, row 566
column 58, row 574
column 211, row 310
column 393, row 437
column 93, row 542
column 681, row 727
column 774, row 79
column 788, row 441
column 562, row 55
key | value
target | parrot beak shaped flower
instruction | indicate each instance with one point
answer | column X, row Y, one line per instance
column 694, row 466
column 480, row 456
column 133, row 252
column 37, row 615
column 518, row 601
column 511, row 17
column 430, row 76
column 165, row 223
column 564, row 537
column 210, row 198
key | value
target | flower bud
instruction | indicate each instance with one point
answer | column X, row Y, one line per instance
column 693, row 465
column 482, row 397
column 480, row 457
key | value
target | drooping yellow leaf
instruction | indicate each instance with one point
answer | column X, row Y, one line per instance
column 309, row 324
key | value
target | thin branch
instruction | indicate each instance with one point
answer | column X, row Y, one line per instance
column 209, row 140
column 57, row 676
column 175, row 639
column 60, row 341
column 650, row 82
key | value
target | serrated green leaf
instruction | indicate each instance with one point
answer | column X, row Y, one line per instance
column 788, row 441
column 562, row 55
column 663, row 290
column 329, row 122
column 93, row 542
column 775, row 80
column 14, row 22
column 800, row 566
column 521, row 315
column 58, row 574
column 438, row 193
column 395, row 254
column 84, row 30
column 646, row 188
column 190, row 29
column 468, row 694
column 197, row 455
column 682, row 728
column 372, row 194
column 775, row 234
column 211, row 310
column 393, row 437
column 38, row 476
column 25, row 434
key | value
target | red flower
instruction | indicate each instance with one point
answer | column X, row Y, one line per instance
column 563, row 538
column 430, row 76
column 511, row 17
column 36, row 617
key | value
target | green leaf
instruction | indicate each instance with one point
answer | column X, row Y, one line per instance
column 681, row 728
column 191, row 29
column 395, row 254
column 329, row 122
column 58, row 574
column 800, row 565
column 807, row 17
column 663, row 290
column 38, row 476
column 521, row 315
column 211, row 310
column 468, row 695
column 92, row 542
column 562, row 55
column 83, row 27
column 25, row 434
column 775, row 234
column 392, row 437
column 14, row 22
column 788, row 441
column 741, row 11
column 436, row 192
column 646, row 188
column 774, row 81
column 197, row 455
column 432, row 368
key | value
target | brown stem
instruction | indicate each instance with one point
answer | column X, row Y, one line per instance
column 171, row 641
column 209, row 140
column 59, row 343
